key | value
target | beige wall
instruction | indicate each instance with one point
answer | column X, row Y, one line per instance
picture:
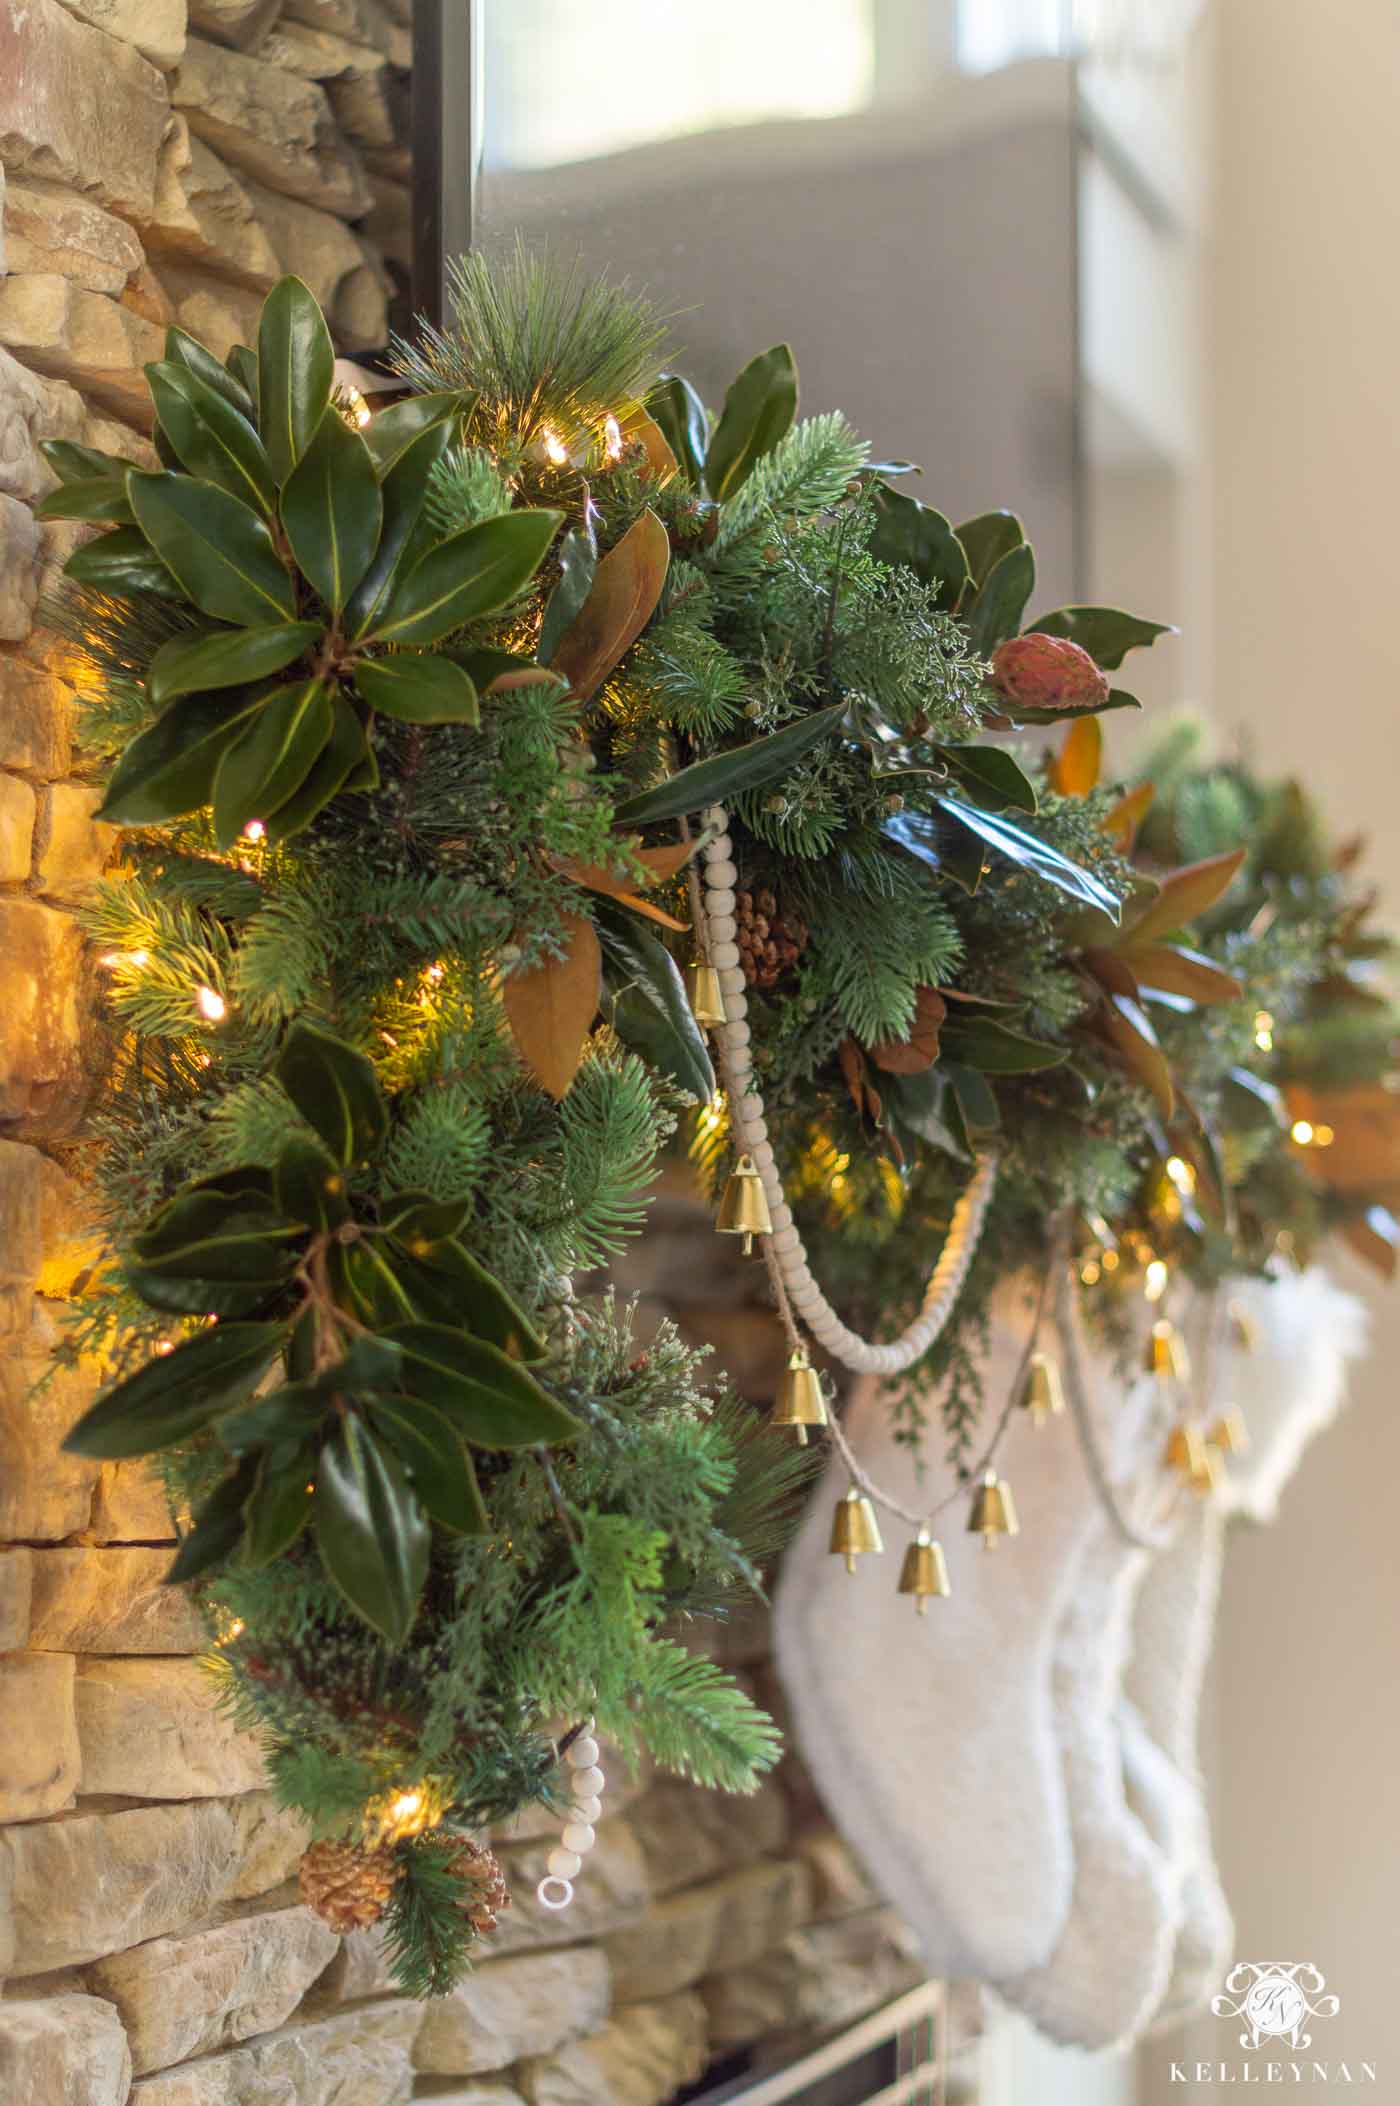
column 1306, row 661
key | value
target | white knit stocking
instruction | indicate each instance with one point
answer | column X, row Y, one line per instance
column 932, row 1738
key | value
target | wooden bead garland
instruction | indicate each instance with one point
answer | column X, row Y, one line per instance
column 565, row 1861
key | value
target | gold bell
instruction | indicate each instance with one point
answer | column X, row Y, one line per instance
column 924, row 1572
column 1211, row 1474
column 799, row 1402
column 706, row 997
column 993, row 1510
column 1166, row 1355
column 743, row 1207
column 1186, row 1451
column 1044, row 1395
column 1244, row 1333
column 854, row 1529
column 1230, row 1434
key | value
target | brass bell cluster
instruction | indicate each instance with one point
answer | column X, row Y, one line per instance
column 924, row 1573
column 855, row 1533
column 993, row 1511
column 1043, row 1396
column 743, row 1206
column 800, row 1402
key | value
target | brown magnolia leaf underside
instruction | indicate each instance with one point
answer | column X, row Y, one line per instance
column 1133, row 1040
column 1122, row 820
column 1075, row 769
column 624, row 593
column 550, row 1007
column 1184, row 895
column 919, row 1050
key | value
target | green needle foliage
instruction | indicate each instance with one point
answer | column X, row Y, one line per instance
column 402, row 725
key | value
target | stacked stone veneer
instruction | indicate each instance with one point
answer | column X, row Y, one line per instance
column 160, row 164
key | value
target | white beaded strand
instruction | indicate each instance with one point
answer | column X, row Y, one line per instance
column 565, row 1861
column 714, row 911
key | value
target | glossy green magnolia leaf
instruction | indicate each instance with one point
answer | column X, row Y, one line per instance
column 917, row 536
column 418, row 687
column 169, row 769
column 417, row 1219
column 98, row 497
column 296, row 371
column 986, row 539
column 345, row 762
column 367, row 1365
column 214, row 658
column 72, row 463
column 1001, row 599
column 279, row 1506
column 218, row 549
column 310, row 1187
column 976, row 1099
column 758, row 412
column 242, row 366
column 332, row 510
column 448, row 1285
column 271, row 759
column 370, row 1530
column 218, row 1527
column 124, row 565
column 212, row 1236
column 470, row 574
column 371, row 1287
column 1037, row 719
column 440, row 1469
column 336, row 1091
column 182, row 349
column 725, row 774
column 992, row 777
column 578, row 566
column 647, row 1005
column 1105, row 633
column 995, row 1049
column 212, row 439
column 919, row 1103
column 175, row 1296
column 1033, row 854
column 287, row 1415
column 404, row 488
column 391, row 432
column 491, row 1400
column 177, row 1393
column 678, row 410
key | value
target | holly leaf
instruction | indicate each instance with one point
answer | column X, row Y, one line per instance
column 332, row 510
column 336, row 1091
column 296, row 372
column 758, row 412
column 370, row 1530
column 550, row 1007
column 218, row 549
column 621, row 600
column 177, row 1393
column 418, row 687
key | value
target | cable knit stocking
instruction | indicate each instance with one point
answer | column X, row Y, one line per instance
column 932, row 1738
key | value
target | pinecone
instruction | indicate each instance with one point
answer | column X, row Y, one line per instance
column 347, row 1886
column 770, row 942
column 485, row 1892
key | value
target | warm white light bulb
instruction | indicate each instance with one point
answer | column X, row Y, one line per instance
column 212, row 1006
column 1303, row 1132
column 255, row 830
column 555, row 449
column 612, row 439
column 1154, row 1280
column 1181, row 1175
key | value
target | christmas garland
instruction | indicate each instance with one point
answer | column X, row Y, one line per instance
column 412, row 720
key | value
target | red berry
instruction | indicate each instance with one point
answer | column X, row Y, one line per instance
column 1047, row 672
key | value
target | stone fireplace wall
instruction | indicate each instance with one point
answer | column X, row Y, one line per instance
column 160, row 163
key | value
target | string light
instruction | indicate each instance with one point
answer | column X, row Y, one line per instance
column 1154, row 1280
column 1089, row 1273
column 1303, row 1132
column 1109, row 1261
column 1264, row 1030
column 1181, row 1175
column 357, row 410
column 255, row 830
column 211, row 1006
column 556, row 452
column 612, row 439
column 711, row 1115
